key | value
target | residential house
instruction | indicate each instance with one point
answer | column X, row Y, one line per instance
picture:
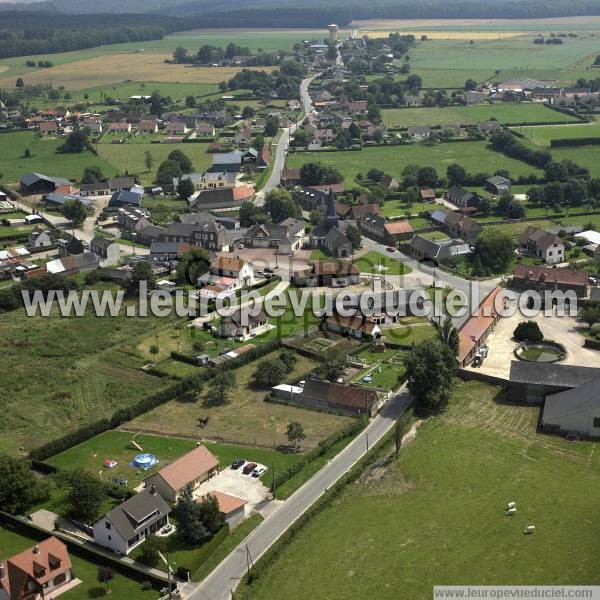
column 243, row 137
column 128, row 525
column 543, row 245
column 398, row 232
column 419, row 132
column 176, row 128
column 290, row 178
column 357, row 106
column 575, row 410
column 131, row 218
column 389, row 183
column 457, row 225
column 229, row 272
column 462, row 198
column 373, row 225
column 497, row 185
column 427, row 194
column 43, row 571
column 208, row 180
column 36, row 183
column 40, row 238
column 285, row 236
column 49, row 128
column 68, row 244
column 547, row 279
column 207, row 234
column 118, row 184
column 327, row 273
column 73, row 264
column 167, row 253
column 359, row 326
column 119, row 127
column 243, row 326
column 205, row 129
column 425, row 249
column 97, row 188
column 106, row 250
column 189, row 470
column 148, row 127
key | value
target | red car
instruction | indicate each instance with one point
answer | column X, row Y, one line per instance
column 249, row 468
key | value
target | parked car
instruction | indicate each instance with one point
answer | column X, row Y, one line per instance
column 269, row 270
column 482, row 352
column 237, row 463
column 249, row 468
column 259, row 471
column 391, row 249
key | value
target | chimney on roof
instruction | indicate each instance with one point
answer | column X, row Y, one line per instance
column 153, row 490
column 36, row 549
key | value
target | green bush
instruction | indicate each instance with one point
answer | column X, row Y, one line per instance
column 528, row 331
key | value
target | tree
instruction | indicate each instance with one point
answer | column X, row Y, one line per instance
column 470, row 85
column 86, row 495
column 179, row 157
column 590, row 313
column 19, row 489
column 151, row 548
column 270, row 372
column 289, row 359
column 375, row 174
column 280, row 205
column 20, row 83
column 528, row 331
column 75, row 211
column 271, row 126
column 447, row 334
column 219, row 386
column 148, row 160
column 353, row 234
column 427, row 177
column 92, row 174
column 414, row 83
column 189, row 518
column 154, row 349
column 167, row 171
column 77, row 141
column 185, row 189
column 210, row 514
column 142, row 271
column 429, row 374
column 319, row 174
column 105, row 576
column 295, row 433
column 456, row 174
column 494, row 252
column 334, row 364
column 193, row 263
column 190, row 101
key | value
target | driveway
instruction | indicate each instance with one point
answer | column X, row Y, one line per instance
column 559, row 329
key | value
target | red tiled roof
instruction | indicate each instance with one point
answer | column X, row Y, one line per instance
column 398, row 227
column 539, row 273
column 227, row 504
column 190, row 466
column 228, row 263
column 340, row 395
column 242, row 192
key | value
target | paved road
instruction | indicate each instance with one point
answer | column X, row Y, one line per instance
column 282, row 146
column 219, row 584
column 425, row 275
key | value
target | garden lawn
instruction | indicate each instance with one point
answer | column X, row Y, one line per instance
column 246, row 419
column 45, row 158
column 380, row 264
column 436, row 515
column 12, row 543
column 516, row 229
column 407, row 335
column 474, row 155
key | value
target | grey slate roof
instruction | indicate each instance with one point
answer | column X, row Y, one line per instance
column 580, row 399
column 31, row 178
column 126, row 517
column 570, row 376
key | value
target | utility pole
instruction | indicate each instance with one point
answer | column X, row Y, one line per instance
column 273, row 480
column 367, row 438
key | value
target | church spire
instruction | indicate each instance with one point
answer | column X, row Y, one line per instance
column 331, row 217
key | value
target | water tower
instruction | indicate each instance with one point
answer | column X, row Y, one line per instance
column 333, row 33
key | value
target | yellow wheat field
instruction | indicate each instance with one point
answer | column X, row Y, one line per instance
column 116, row 68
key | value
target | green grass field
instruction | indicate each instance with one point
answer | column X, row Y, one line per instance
column 436, row 516
column 44, row 158
column 542, row 135
column 475, row 156
column 12, row 543
column 60, row 373
column 471, row 115
column 586, row 156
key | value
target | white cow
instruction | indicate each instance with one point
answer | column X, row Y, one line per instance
column 529, row 529
column 511, row 511
column 511, row 505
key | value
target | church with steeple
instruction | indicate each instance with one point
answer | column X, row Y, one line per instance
column 331, row 235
